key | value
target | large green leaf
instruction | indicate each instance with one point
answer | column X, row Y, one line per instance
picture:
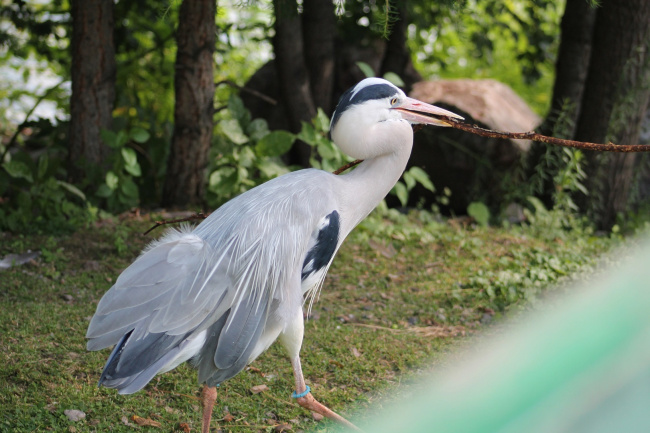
column 409, row 180
column 71, row 188
column 103, row 191
column 422, row 177
column 131, row 161
column 139, row 135
column 394, row 78
column 238, row 110
column 112, row 180
column 308, row 134
column 233, row 131
column 366, row 69
column 257, row 129
column 129, row 188
column 401, row 192
column 275, row 143
column 326, row 150
column 109, row 138
column 321, row 121
column 480, row 212
column 18, row 169
column 130, row 158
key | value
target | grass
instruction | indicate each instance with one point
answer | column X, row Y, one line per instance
column 402, row 294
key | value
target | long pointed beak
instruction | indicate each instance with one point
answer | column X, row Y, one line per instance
column 419, row 112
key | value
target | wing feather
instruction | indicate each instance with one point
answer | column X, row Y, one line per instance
column 221, row 277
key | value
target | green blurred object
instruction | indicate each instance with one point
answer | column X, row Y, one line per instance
column 581, row 364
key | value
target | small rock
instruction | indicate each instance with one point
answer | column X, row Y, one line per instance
column 316, row 416
column 486, row 318
column 259, row 388
column 282, row 427
column 91, row 265
column 515, row 213
column 74, row 414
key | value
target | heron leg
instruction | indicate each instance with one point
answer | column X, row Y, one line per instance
column 309, row 402
column 208, row 397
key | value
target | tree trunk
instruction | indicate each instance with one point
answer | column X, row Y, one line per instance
column 194, row 109
column 319, row 20
column 576, row 32
column 292, row 74
column 93, row 84
column 615, row 99
column 397, row 57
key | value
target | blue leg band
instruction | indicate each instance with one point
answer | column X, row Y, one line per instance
column 302, row 394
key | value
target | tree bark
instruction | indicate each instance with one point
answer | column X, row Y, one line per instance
column 397, row 57
column 194, row 109
column 615, row 98
column 293, row 75
column 576, row 30
column 93, row 84
column 318, row 41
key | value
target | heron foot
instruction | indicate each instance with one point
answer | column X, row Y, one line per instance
column 309, row 402
column 208, row 397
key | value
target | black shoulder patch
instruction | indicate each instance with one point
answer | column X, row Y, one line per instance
column 319, row 256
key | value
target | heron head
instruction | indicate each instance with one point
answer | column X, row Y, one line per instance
column 371, row 107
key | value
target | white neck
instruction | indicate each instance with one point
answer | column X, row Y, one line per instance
column 366, row 186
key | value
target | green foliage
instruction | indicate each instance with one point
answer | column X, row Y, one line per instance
column 245, row 153
column 411, row 177
column 513, row 42
column 560, row 170
column 480, row 212
column 325, row 155
column 36, row 200
column 557, row 223
column 119, row 189
column 389, row 76
column 523, row 275
column 386, row 16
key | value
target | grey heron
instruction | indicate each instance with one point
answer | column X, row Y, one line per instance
column 220, row 294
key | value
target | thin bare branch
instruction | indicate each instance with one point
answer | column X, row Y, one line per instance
column 196, row 216
column 247, row 90
column 533, row 136
column 347, row 166
column 21, row 127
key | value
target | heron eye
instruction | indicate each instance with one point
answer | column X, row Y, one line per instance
column 393, row 101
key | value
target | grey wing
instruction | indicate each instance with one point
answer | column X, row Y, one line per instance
column 159, row 307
